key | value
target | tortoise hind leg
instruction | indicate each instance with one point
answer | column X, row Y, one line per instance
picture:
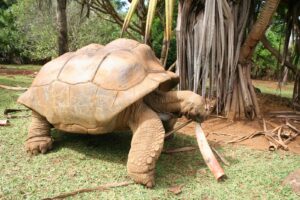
column 146, row 145
column 38, row 139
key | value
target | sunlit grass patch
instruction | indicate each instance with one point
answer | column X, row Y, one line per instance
column 271, row 87
column 16, row 80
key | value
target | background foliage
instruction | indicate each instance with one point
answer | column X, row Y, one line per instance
column 27, row 38
column 32, row 38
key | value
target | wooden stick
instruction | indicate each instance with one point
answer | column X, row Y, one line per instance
column 172, row 66
column 283, row 112
column 99, row 188
column 220, row 156
column 13, row 88
column 276, row 142
column 279, row 135
column 265, row 126
column 177, row 128
column 293, row 127
column 218, row 116
column 246, row 137
column 177, row 150
column 10, row 110
column 291, row 138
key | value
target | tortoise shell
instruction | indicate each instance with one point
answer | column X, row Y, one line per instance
column 84, row 91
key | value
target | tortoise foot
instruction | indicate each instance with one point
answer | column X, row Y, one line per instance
column 36, row 145
column 146, row 179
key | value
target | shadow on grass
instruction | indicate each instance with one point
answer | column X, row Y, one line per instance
column 114, row 147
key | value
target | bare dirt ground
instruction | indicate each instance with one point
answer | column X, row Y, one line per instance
column 7, row 71
column 221, row 131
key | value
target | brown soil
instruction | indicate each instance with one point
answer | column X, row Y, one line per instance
column 7, row 71
column 221, row 131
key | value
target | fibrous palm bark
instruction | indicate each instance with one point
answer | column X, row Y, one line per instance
column 212, row 58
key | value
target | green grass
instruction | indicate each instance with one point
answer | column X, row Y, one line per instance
column 82, row 161
column 16, row 80
column 282, row 93
column 22, row 67
column 287, row 91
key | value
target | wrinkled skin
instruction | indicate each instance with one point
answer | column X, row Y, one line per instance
column 147, row 128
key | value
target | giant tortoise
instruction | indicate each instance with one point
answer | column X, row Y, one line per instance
column 100, row 89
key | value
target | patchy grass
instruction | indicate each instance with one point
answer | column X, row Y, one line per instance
column 15, row 80
column 83, row 161
column 271, row 87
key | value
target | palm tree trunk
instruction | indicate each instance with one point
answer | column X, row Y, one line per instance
column 243, row 71
column 258, row 30
column 62, row 27
column 213, row 57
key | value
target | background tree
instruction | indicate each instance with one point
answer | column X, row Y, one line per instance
column 62, row 26
column 31, row 38
column 215, row 44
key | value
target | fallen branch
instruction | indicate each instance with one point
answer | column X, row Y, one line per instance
column 264, row 124
column 16, row 116
column 293, row 127
column 11, row 110
column 13, row 88
column 274, row 137
column 283, row 112
column 246, row 137
column 172, row 66
column 220, row 156
column 225, row 134
column 296, row 117
column 177, row 150
column 99, row 188
column 218, row 116
column 177, row 128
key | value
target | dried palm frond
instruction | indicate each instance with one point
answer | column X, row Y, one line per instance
column 150, row 16
column 129, row 15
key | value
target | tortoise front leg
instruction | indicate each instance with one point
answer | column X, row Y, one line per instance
column 186, row 103
column 39, row 139
column 146, row 144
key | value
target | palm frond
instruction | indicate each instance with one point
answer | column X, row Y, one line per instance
column 129, row 15
column 169, row 15
column 150, row 16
